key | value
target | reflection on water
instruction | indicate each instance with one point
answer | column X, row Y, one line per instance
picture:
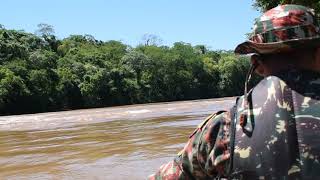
column 107, row 143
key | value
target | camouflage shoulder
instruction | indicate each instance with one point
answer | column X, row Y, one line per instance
column 204, row 123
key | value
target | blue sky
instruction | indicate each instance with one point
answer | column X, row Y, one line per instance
column 215, row 23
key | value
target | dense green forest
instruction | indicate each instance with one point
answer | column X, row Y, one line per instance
column 40, row 73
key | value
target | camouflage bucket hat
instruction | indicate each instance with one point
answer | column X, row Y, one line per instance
column 282, row 28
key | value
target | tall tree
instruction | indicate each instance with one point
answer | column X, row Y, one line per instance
column 44, row 29
column 151, row 40
column 137, row 62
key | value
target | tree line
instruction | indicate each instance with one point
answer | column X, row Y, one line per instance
column 40, row 73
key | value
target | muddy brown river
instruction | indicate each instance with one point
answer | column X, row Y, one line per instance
column 126, row 142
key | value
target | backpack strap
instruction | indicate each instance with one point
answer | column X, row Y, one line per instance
column 233, row 118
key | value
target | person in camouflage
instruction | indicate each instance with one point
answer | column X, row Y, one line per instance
column 273, row 131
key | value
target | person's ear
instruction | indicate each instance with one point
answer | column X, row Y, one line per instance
column 256, row 61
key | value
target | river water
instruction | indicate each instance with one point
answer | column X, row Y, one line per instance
column 126, row 142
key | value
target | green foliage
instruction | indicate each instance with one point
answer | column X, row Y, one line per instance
column 42, row 73
column 12, row 91
column 68, row 90
column 232, row 74
column 95, row 86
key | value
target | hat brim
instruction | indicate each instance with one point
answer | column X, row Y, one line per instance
column 249, row 47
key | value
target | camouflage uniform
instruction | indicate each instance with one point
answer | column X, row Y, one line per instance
column 206, row 153
column 273, row 132
column 280, row 140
